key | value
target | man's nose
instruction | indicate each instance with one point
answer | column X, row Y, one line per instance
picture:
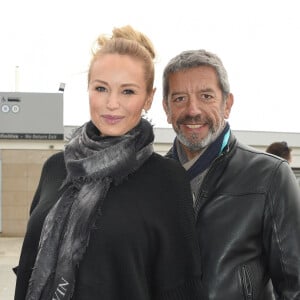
column 193, row 107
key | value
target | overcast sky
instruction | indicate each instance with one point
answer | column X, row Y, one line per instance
column 258, row 41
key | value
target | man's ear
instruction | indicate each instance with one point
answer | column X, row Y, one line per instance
column 167, row 110
column 228, row 105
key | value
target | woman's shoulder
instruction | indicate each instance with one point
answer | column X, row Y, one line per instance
column 55, row 162
column 55, row 158
column 168, row 168
column 165, row 162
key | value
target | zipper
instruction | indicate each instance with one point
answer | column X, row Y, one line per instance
column 202, row 194
column 246, row 283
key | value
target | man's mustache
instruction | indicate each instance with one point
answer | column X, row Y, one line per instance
column 190, row 119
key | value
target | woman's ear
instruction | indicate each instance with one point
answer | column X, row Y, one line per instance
column 149, row 100
column 167, row 110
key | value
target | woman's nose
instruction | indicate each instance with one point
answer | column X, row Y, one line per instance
column 112, row 101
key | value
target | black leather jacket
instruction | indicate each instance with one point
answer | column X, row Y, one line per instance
column 248, row 226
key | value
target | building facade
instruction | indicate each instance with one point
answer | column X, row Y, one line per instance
column 21, row 162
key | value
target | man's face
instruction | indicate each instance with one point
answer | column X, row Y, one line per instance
column 195, row 107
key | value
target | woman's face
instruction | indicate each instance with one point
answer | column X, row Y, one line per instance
column 117, row 93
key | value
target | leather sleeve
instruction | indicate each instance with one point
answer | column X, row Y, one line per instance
column 282, row 232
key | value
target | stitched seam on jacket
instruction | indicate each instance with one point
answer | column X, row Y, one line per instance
column 273, row 218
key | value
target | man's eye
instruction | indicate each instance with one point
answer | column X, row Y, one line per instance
column 100, row 88
column 206, row 97
column 128, row 92
column 179, row 99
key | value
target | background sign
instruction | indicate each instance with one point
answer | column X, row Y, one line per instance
column 33, row 116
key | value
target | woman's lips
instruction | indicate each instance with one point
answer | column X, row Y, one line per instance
column 112, row 119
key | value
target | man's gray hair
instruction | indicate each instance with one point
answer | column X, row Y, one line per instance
column 192, row 59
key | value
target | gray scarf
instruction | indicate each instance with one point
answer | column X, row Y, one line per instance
column 93, row 163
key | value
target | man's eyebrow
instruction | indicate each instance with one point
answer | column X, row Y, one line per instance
column 206, row 90
column 177, row 93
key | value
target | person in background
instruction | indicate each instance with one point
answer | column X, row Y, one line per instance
column 111, row 219
column 280, row 149
column 246, row 202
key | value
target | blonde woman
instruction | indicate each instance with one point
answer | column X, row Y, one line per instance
column 111, row 219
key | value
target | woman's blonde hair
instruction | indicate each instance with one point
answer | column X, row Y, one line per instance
column 127, row 41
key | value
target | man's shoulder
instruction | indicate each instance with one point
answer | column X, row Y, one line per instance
column 248, row 157
column 260, row 154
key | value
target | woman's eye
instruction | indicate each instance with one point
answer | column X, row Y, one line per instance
column 100, row 88
column 128, row 92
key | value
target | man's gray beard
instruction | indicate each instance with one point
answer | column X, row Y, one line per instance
column 197, row 146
